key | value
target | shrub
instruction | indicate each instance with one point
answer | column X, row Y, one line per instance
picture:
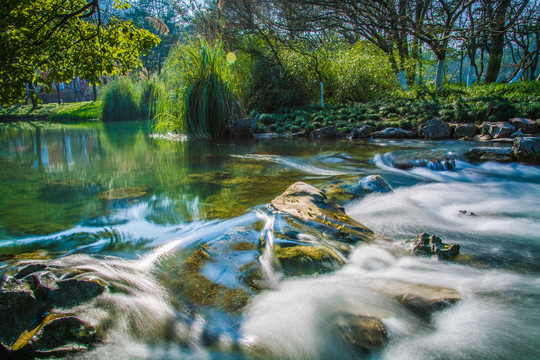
column 266, row 84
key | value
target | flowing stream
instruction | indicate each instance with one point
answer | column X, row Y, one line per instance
column 61, row 203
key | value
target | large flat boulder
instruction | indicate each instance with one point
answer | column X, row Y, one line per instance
column 310, row 204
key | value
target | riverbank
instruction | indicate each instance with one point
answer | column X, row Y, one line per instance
column 81, row 111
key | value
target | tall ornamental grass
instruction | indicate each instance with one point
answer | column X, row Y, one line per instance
column 120, row 100
column 199, row 98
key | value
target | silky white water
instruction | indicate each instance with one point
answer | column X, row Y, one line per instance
column 199, row 193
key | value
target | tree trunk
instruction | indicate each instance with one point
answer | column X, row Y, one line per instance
column 439, row 76
column 94, row 88
column 32, row 95
column 495, row 59
column 471, row 70
column 58, row 94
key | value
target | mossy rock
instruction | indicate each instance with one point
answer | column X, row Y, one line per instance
column 304, row 259
column 234, row 299
column 198, row 288
column 211, row 177
column 310, row 204
column 125, row 193
column 69, row 190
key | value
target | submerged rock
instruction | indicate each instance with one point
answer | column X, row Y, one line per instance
column 434, row 129
column 393, row 133
column 310, row 204
column 425, row 244
column 303, row 259
column 486, row 153
column 69, row 190
column 125, row 193
column 527, row 149
column 364, row 333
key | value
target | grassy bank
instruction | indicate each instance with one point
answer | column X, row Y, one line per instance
column 408, row 109
column 81, row 111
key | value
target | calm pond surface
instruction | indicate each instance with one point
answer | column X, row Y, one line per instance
column 128, row 204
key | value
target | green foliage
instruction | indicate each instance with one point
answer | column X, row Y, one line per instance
column 63, row 41
column 265, row 82
column 121, row 100
column 200, row 99
column 273, row 77
column 150, row 91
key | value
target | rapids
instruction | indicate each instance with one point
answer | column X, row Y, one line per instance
column 186, row 194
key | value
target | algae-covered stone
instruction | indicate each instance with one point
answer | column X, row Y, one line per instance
column 362, row 332
column 125, row 193
column 69, row 190
column 308, row 203
column 198, row 288
column 303, row 259
column 235, row 299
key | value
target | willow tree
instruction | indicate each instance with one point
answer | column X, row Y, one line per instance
column 45, row 41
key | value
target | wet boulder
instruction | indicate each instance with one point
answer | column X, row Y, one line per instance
column 18, row 308
column 486, row 153
column 56, row 335
column 31, row 323
column 527, row 126
column 420, row 299
column 497, row 130
column 465, row 131
column 328, row 132
column 434, row 129
column 371, row 184
column 527, row 149
column 393, row 133
column 362, row 332
column 310, row 204
column 426, row 244
column 304, row 259
column 363, row 133
column 345, row 191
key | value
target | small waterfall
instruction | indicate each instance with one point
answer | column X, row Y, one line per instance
column 267, row 257
column 441, row 165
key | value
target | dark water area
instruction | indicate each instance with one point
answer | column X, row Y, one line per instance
column 128, row 206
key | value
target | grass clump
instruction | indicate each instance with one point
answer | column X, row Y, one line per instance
column 199, row 98
column 121, row 100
